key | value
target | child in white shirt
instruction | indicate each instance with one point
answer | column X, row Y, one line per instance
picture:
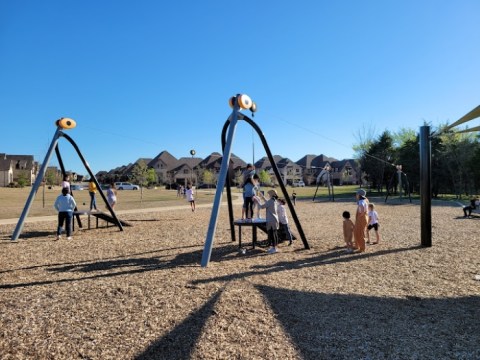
column 283, row 220
column 372, row 223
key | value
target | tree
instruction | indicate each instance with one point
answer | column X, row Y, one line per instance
column 377, row 161
column 139, row 175
column 50, row 177
column 22, row 179
column 152, row 177
column 208, row 177
column 264, row 177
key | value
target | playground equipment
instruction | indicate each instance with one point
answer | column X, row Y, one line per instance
column 325, row 177
column 402, row 184
column 62, row 124
column 238, row 103
column 426, row 173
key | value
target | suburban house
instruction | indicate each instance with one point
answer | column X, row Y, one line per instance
column 6, row 172
column 289, row 170
column 171, row 170
column 162, row 164
column 17, row 167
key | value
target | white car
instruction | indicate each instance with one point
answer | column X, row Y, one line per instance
column 298, row 183
column 126, row 186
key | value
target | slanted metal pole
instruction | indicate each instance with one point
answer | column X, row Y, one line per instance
column 35, row 187
column 222, row 177
column 425, row 186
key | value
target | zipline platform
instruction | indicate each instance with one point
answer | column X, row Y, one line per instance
column 99, row 215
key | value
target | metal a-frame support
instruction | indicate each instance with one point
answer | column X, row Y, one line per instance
column 41, row 175
column 228, row 134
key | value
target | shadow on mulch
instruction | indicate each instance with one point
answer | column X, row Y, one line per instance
column 331, row 257
column 136, row 265
column 326, row 326
column 180, row 342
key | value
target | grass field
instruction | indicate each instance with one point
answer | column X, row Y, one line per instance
column 12, row 201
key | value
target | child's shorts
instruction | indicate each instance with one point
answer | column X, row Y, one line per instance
column 374, row 226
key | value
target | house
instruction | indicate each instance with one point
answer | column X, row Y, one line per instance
column 163, row 163
column 6, row 171
column 289, row 170
column 183, row 172
column 23, row 167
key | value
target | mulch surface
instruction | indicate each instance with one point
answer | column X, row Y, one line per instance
column 141, row 293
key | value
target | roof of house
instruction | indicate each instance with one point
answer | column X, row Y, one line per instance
column 164, row 157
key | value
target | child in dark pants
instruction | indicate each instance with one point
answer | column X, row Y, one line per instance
column 65, row 205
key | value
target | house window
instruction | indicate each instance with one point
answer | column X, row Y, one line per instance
column 186, row 171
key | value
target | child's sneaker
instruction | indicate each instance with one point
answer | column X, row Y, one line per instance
column 272, row 250
column 69, row 238
column 58, row 237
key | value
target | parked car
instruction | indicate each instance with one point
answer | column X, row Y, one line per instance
column 126, row 186
column 76, row 187
column 299, row 183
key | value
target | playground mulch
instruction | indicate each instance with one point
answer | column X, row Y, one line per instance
column 141, row 294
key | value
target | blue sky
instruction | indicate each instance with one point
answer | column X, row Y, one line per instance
column 145, row 76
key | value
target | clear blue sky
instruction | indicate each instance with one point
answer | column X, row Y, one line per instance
column 140, row 77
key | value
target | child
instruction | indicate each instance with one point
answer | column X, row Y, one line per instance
column 247, row 175
column 361, row 220
column 283, row 219
column 65, row 204
column 348, row 227
column 92, row 190
column 272, row 219
column 112, row 195
column 294, row 198
column 190, row 198
column 372, row 223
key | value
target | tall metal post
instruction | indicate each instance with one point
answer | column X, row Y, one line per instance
column 36, row 186
column 425, row 186
column 222, row 177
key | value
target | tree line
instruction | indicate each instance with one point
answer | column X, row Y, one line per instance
column 455, row 160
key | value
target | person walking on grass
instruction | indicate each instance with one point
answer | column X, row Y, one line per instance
column 65, row 205
column 348, row 227
column 112, row 195
column 92, row 190
column 372, row 223
column 361, row 220
column 271, row 216
column 190, row 196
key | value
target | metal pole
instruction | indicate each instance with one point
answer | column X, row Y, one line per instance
column 425, row 186
column 222, row 177
column 38, row 181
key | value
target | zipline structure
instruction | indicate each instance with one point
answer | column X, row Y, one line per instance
column 62, row 124
column 426, row 172
column 238, row 103
column 325, row 177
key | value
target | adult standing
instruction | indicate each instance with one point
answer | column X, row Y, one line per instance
column 92, row 190
column 361, row 220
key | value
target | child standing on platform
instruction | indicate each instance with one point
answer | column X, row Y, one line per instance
column 372, row 223
column 348, row 227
